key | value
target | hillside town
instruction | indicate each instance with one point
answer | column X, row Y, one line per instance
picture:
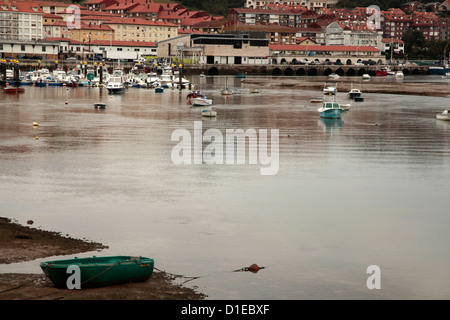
column 253, row 34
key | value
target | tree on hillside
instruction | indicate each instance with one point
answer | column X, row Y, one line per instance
column 414, row 43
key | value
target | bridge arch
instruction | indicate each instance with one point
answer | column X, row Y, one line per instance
column 340, row 72
column 277, row 72
column 351, row 72
column 288, row 72
column 312, row 72
column 328, row 71
column 300, row 72
column 213, row 71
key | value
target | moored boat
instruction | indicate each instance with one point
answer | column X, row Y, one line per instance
column 14, row 90
column 366, row 76
column 99, row 106
column 330, row 88
column 197, row 99
column 358, row 99
column 99, row 271
column 330, row 110
column 353, row 93
column 316, row 100
column 445, row 115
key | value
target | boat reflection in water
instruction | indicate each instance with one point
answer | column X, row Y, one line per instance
column 331, row 126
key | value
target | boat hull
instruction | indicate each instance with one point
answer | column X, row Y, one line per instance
column 116, row 90
column 99, row 271
column 200, row 102
column 440, row 116
column 331, row 113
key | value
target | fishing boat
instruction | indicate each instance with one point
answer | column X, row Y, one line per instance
column 382, row 72
column 445, row 115
column 353, row 93
column 208, row 112
column 197, row 99
column 330, row 110
column 330, row 88
column 99, row 271
column 116, row 82
column 14, row 90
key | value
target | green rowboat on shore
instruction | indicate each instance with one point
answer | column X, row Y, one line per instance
column 97, row 271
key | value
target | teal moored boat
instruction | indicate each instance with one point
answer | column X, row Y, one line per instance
column 99, row 271
column 330, row 110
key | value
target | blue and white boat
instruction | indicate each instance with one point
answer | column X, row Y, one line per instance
column 331, row 110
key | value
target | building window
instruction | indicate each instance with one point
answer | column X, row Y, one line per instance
column 22, row 47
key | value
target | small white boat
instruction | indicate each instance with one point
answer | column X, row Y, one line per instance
column 353, row 93
column 226, row 92
column 334, row 76
column 366, row 76
column 446, row 76
column 399, row 75
column 254, row 90
column 330, row 88
column 208, row 112
column 346, row 107
column 445, row 115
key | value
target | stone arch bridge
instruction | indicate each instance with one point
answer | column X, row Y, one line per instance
column 299, row 70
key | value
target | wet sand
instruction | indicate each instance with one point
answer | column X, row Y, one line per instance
column 21, row 243
column 400, row 87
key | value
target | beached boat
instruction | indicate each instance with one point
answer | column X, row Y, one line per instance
column 316, row 100
column 358, row 99
column 241, row 75
column 333, row 76
column 353, row 93
column 159, row 90
column 99, row 271
column 254, row 91
column 366, row 76
column 330, row 88
column 445, row 115
column 14, row 90
column 346, row 106
column 330, row 110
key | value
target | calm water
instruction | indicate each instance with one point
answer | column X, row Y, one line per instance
column 348, row 194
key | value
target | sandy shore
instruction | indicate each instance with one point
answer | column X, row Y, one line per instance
column 21, row 243
column 400, row 87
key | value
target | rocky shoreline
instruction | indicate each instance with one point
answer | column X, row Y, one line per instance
column 20, row 243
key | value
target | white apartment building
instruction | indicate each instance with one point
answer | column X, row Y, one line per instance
column 20, row 21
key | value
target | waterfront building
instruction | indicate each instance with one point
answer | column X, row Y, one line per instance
column 137, row 29
column 20, row 21
column 239, row 49
column 337, row 33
